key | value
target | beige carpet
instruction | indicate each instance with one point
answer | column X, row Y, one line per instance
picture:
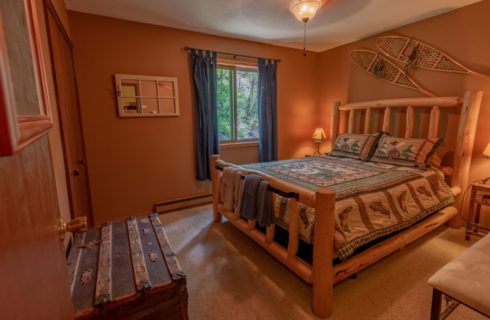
column 231, row 277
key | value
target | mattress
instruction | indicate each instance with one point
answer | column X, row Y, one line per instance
column 373, row 200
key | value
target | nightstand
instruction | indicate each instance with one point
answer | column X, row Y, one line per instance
column 480, row 196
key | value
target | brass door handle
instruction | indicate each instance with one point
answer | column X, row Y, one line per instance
column 78, row 224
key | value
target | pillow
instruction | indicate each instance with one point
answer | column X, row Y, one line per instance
column 409, row 152
column 356, row 146
column 435, row 160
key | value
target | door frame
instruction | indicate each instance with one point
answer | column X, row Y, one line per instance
column 49, row 8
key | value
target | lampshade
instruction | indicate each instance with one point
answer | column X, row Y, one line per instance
column 305, row 10
column 319, row 134
column 486, row 152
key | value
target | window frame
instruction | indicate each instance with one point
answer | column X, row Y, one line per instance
column 234, row 112
column 120, row 78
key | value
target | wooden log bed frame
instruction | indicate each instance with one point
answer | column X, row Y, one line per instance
column 322, row 273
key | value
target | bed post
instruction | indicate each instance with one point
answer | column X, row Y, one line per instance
column 323, row 252
column 464, row 144
column 215, row 187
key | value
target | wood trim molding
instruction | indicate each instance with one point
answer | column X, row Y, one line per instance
column 52, row 9
column 51, row 12
column 19, row 128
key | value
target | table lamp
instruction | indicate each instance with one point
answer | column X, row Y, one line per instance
column 486, row 155
column 318, row 136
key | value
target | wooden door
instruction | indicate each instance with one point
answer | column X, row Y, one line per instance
column 32, row 258
column 69, row 116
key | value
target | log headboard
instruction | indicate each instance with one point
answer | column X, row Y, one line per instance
column 468, row 107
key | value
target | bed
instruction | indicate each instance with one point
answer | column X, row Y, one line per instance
column 314, row 196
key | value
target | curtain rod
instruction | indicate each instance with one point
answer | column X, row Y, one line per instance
column 232, row 54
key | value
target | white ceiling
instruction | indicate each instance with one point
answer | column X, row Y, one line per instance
column 338, row 23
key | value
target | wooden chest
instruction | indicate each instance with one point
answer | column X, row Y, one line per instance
column 126, row 270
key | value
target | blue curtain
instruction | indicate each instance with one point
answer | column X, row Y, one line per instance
column 267, row 110
column 205, row 106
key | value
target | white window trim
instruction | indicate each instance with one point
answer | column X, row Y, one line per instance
column 239, row 144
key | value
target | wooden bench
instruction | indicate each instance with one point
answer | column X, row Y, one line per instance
column 464, row 280
column 126, row 270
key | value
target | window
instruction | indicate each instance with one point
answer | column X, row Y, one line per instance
column 140, row 96
column 238, row 118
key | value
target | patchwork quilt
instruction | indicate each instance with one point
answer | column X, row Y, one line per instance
column 372, row 199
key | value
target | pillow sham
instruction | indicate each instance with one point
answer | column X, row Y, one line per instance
column 408, row 152
column 435, row 161
column 356, row 146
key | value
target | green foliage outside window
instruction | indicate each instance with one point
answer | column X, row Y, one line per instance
column 225, row 103
column 237, row 121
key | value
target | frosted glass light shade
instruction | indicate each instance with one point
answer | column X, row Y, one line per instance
column 486, row 152
column 305, row 10
column 319, row 134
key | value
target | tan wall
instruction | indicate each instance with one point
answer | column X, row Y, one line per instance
column 461, row 33
column 136, row 162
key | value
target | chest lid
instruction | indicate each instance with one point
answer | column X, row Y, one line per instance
column 120, row 261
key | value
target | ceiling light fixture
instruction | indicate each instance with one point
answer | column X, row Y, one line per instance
column 304, row 11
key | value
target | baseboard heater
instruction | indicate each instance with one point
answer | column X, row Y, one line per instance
column 181, row 203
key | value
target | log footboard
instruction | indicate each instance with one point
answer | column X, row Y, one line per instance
column 215, row 181
column 320, row 273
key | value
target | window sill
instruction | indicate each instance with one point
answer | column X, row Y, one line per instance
column 236, row 145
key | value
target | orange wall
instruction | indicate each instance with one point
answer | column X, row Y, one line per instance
column 136, row 162
column 461, row 33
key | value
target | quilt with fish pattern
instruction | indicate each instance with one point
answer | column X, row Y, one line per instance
column 372, row 199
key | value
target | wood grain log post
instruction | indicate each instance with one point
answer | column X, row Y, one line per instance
column 252, row 224
column 271, row 230
column 435, row 115
column 352, row 121
column 270, row 233
column 293, row 242
column 367, row 121
column 464, row 146
column 215, row 183
column 387, row 120
column 409, row 122
column 323, row 244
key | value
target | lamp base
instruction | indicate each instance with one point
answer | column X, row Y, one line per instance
column 317, row 152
